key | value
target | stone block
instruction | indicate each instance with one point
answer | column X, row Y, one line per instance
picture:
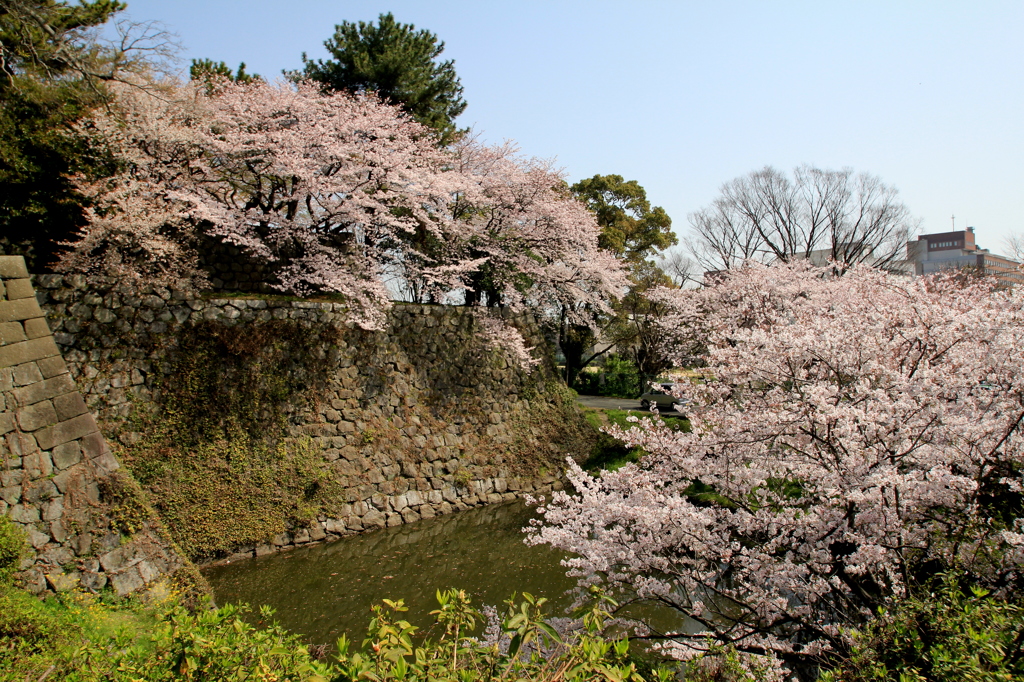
column 264, row 550
column 127, row 582
column 53, row 509
column 45, row 389
column 11, row 494
column 316, row 532
column 94, row 445
column 36, row 328
column 40, row 491
column 26, row 351
column 26, row 374
column 23, row 513
column 6, row 423
column 70, row 479
column 37, row 464
column 62, row 582
column 374, row 519
column 94, row 581
column 12, row 332
column 51, row 367
column 19, row 288
column 148, row 571
column 58, row 531
column 37, row 539
column 66, row 455
column 12, row 267
column 35, row 417
column 63, row 432
column 20, row 310
column 69, row 405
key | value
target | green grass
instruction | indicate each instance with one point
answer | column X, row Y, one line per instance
column 608, row 453
column 40, row 635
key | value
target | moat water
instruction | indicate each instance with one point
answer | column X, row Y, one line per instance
column 324, row 591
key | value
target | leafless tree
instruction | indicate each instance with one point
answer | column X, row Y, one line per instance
column 1014, row 246
column 829, row 216
column 679, row 267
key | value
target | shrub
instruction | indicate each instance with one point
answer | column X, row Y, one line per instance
column 32, row 634
column 13, row 548
column 956, row 632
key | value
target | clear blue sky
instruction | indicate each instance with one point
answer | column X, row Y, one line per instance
column 683, row 96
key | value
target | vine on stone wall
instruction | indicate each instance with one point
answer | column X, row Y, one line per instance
column 214, row 450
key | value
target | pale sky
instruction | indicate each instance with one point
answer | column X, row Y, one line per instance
column 684, row 96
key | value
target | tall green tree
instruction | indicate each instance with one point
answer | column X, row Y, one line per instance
column 630, row 227
column 51, row 73
column 634, row 231
column 208, row 70
column 397, row 62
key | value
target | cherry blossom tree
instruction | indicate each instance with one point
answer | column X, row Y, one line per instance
column 333, row 193
column 533, row 243
column 321, row 187
column 851, row 437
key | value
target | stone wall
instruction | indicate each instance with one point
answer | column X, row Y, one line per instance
column 422, row 418
column 59, row 480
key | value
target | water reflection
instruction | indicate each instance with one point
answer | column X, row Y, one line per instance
column 323, row 591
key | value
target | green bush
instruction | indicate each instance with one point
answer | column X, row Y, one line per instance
column 609, row 453
column 955, row 632
column 617, row 378
column 71, row 639
column 13, row 548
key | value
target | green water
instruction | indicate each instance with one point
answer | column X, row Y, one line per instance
column 326, row 590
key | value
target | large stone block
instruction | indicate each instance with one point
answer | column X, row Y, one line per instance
column 17, row 311
column 12, row 332
column 37, row 464
column 23, row 513
column 35, row 417
column 66, row 455
column 69, row 405
column 6, row 423
column 36, row 328
column 127, row 582
column 45, row 389
column 63, row 432
column 51, row 367
column 27, row 374
column 19, row 288
column 26, row 351
column 12, row 267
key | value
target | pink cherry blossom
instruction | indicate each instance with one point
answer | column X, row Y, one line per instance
column 335, row 193
column 848, row 436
